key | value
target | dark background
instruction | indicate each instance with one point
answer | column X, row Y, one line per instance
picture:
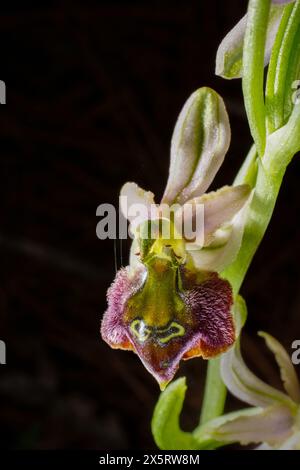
column 93, row 92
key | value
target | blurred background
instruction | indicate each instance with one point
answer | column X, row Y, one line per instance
column 93, row 92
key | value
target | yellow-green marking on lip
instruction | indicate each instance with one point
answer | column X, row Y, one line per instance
column 161, row 335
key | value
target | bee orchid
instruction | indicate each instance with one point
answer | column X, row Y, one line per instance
column 171, row 302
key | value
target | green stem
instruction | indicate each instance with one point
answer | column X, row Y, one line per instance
column 253, row 70
column 262, row 206
column 214, row 393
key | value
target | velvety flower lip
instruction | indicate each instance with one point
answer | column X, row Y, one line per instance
column 139, row 317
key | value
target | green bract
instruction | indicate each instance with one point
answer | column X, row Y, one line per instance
column 229, row 59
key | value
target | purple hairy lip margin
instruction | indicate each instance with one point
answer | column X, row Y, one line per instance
column 207, row 321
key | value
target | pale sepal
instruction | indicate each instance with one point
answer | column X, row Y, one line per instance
column 225, row 246
column 243, row 384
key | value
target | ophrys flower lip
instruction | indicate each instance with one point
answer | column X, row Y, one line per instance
column 168, row 315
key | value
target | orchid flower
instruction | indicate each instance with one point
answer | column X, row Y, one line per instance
column 275, row 420
column 171, row 303
column 179, row 296
column 229, row 59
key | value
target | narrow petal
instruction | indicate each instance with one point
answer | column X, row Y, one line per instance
column 229, row 60
column 219, row 208
column 270, row 425
column 244, row 385
column 132, row 195
column 287, row 370
column 200, row 141
column 225, row 246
